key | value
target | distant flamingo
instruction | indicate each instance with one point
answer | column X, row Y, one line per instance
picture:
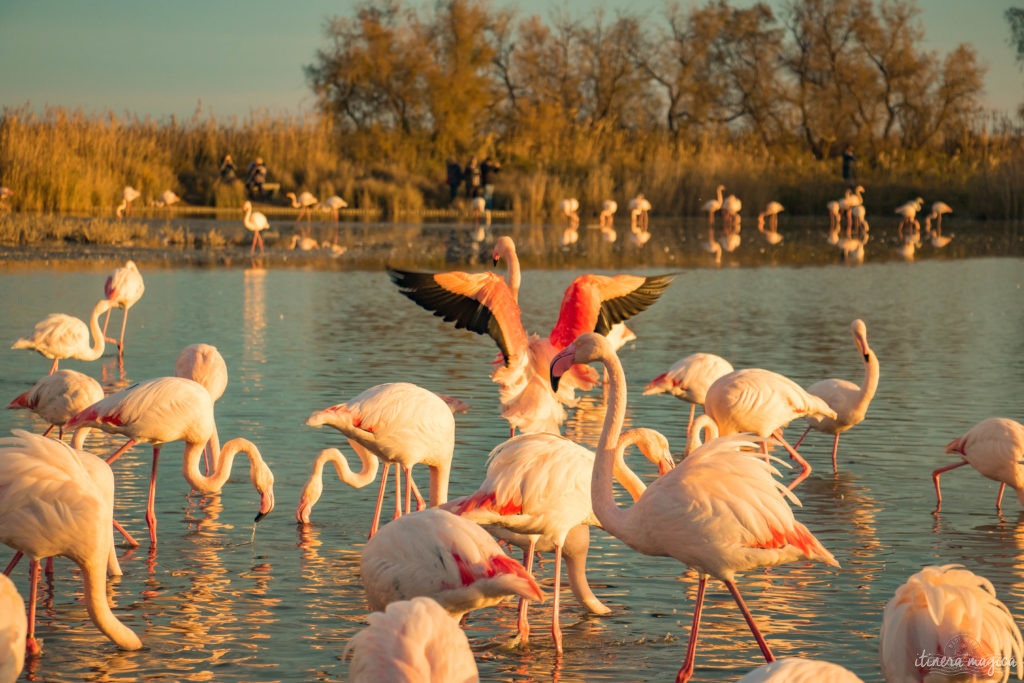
column 203, row 363
column 713, row 205
column 410, row 636
column 948, row 613
column 689, row 379
column 938, row 241
column 60, row 336
column 168, row 409
column 303, row 243
column 607, row 217
column 760, row 402
column 400, row 423
column 731, row 207
column 13, row 629
column 938, row 209
column 58, row 397
column 304, row 203
column 639, row 208
column 720, row 511
column 50, row 505
column 436, row 554
column 167, row 199
column 124, row 287
column 484, row 303
column 848, row 400
column 480, row 212
column 128, row 195
column 254, row 221
column 770, row 233
column 569, row 209
column 798, row 670
column 334, row 204
column 994, row 447
column 908, row 211
column 834, row 219
column 538, row 486
column 851, row 199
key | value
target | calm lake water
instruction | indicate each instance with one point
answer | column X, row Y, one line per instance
column 210, row 605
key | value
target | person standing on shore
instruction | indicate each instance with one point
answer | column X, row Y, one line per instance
column 471, row 174
column 488, row 170
column 227, row 170
column 849, row 167
column 454, row 177
column 257, row 176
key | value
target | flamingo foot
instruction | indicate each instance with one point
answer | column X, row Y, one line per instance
column 33, row 646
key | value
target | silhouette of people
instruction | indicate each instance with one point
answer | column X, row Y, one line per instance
column 849, row 166
column 227, row 170
column 488, row 170
column 471, row 174
column 454, row 177
column 256, row 177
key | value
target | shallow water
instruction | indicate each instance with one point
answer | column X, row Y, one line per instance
column 210, row 605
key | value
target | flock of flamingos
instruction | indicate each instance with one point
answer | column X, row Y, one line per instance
column 721, row 510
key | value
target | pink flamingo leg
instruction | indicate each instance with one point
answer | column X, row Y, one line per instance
column 13, row 563
column 119, row 451
column 49, row 569
column 801, row 439
column 408, row 489
column 768, row 657
column 999, row 498
column 556, row 629
column 124, row 323
column 398, row 492
column 380, row 499
column 150, row 512
column 50, row 429
column 524, row 621
column 795, row 456
column 53, row 367
column 127, row 536
column 105, row 322
column 935, row 478
column 32, row 646
column 835, row 449
column 691, row 649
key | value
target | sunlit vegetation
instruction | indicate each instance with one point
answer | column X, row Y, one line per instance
column 669, row 104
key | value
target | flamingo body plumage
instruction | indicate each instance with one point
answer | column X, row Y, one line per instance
column 124, row 287
column 995, row 448
column 689, row 380
column 58, row 397
column 13, row 630
column 59, row 336
column 128, row 195
column 255, row 222
column 799, row 670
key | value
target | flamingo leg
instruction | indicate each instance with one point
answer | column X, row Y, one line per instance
column 255, row 236
column 53, row 367
column 32, row 646
column 935, row 478
column 691, row 648
column 420, row 503
column 124, row 323
column 768, row 657
column 795, row 456
column 398, row 492
column 408, row 489
column 48, row 430
column 127, row 536
column 150, row 512
column 13, row 563
column 801, row 439
column 49, row 571
column 523, row 621
column 689, row 425
column 556, row 628
column 119, row 451
column 380, row 499
column 105, row 322
column 999, row 498
column 835, row 449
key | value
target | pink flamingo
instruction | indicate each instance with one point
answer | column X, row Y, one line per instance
column 123, row 288
column 798, row 670
column 721, row 511
column 128, row 195
column 484, row 303
column 689, row 379
column 994, row 447
column 63, row 336
column 436, row 554
column 607, row 217
column 848, row 400
column 50, row 504
column 13, row 629
column 304, row 203
column 731, row 207
column 760, row 402
column 411, row 636
column 851, row 199
column 256, row 222
column 167, row 409
column 948, row 612
column 399, row 423
column 537, row 485
column 203, row 363
column 713, row 205
column 58, row 397
column 771, row 233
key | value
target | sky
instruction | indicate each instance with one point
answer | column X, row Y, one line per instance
column 155, row 59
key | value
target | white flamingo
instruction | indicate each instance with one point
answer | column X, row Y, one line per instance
column 834, row 219
column 128, row 195
column 411, row 640
column 731, row 207
column 60, row 336
column 908, row 211
column 478, row 205
column 798, row 670
column 994, row 447
column 851, row 199
column 721, row 511
column 689, row 379
column 255, row 222
column 771, row 233
column 167, row 199
column 203, row 363
column 713, row 205
column 13, row 629
column 58, row 397
column 124, row 287
column 303, row 243
column 304, row 203
column 607, row 216
column 946, row 623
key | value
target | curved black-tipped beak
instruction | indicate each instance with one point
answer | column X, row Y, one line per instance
column 554, row 382
column 260, row 516
column 494, row 261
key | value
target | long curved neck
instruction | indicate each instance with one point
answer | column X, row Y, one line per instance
column 720, row 188
column 870, row 383
column 95, row 587
column 355, row 479
column 623, row 474
column 222, row 465
column 96, row 349
column 700, row 424
column 613, row 518
column 515, row 276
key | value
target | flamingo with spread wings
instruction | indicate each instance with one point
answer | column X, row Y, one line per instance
column 486, row 304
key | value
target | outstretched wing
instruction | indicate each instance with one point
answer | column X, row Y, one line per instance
column 479, row 302
column 596, row 303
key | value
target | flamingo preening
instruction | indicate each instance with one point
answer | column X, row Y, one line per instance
column 58, row 397
column 255, row 222
column 168, row 409
column 411, row 639
column 721, row 511
column 848, row 400
column 124, row 287
column 994, row 447
column 689, row 380
column 60, row 336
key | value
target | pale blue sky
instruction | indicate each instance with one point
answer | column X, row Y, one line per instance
column 161, row 58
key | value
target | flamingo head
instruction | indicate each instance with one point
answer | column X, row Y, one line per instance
column 503, row 248
column 247, row 207
column 20, row 401
column 263, row 480
column 653, row 445
column 587, row 348
column 957, row 445
column 310, row 495
column 860, row 338
column 659, row 385
column 329, row 416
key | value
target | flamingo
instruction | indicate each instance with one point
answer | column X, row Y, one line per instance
column 128, row 195
column 848, row 400
column 721, row 511
column 484, row 303
column 859, row 213
column 13, row 629
column 948, row 613
column 799, row 670
column 60, row 336
column 760, row 402
column 480, row 211
column 771, row 233
column 58, row 397
column 853, row 247
column 334, row 204
column 167, row 409
column 908, row 211
column 124, row 287
column 254, row 221
column 851, row 199
column 203, row 363
column 303, row 203
column 994, row 447
column 689, row 379
column 938, row 241
column 731, row 207
column 50, row 505
column 401, row 424
column 303, row 243
column 607, row 216
column 834, row 219
column 939, row 208
column 713, row 205
column 538, row 486
column 167, row 199
column 638, row 210
column 411, row 640
column 436, row 554
column 570, row 213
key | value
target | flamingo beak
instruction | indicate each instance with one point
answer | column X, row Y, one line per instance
column 266, row 504
column 665, row 464
column 561, row 363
